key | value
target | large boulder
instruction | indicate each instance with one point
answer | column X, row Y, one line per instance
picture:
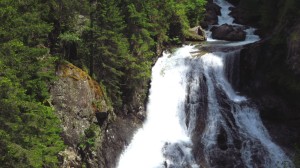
column 228, row 32
column 78, row 101
column 195, row 34
column 211, row 15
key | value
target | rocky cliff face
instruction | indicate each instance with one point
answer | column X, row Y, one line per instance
column 266, row 78
column 269, row 70
column 211, row 14
column 95, row 136
column 269, row 74
column 81, row 106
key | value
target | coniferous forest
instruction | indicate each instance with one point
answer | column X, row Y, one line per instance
column 116, row 42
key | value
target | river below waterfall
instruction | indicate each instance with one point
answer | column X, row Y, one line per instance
column 194, row 116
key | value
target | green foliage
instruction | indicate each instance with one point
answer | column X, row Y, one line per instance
column 110, row 47
column 123, row 36
column 91, row 135
column 69, row 43
column 117, row 40
column 195, row 11
column 141, row 44
column 29, row 130
column 69, row 37
column 271, row 14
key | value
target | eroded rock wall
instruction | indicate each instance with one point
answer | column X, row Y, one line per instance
column 94, row 134
column 271, row 79
column 78, row 100
column 269, row 69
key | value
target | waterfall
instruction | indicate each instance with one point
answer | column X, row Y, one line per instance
column 196, row 119
column 234, row 135
column 164, row 138
column 224, row 18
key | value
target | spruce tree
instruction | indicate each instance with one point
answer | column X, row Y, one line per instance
column 111, row 47
column 29, row 130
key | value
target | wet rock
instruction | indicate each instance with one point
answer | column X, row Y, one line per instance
column 200, row 118
column 233, row 2
column 211, row 15
column 235, row 13
column 225, row 158
column 176, row 155
column 228, row 32
column 117, row 136
column 243, row 17
column 262, row 68
column 222, row 139
column 119, row 132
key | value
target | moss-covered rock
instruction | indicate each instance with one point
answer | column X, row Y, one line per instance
column 94, row 134
column 78, row 101
column 195, row 34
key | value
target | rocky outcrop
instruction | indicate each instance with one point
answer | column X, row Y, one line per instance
column 118, row 135
column 266, row 77
column 243, row 14
column 228, row 32
column 211, row 15
column 81, row 106
column 269, row 69
column 196, row 34
column 238, row 17
column 94, row 134
column 70, row 158
column 119, row 132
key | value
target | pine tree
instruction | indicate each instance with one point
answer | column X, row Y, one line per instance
column 111, row 47
column 29, row 130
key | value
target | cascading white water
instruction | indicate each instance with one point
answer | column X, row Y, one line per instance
column 225, row 18
column 165, row 123
column 233, row 135
column 248, row 128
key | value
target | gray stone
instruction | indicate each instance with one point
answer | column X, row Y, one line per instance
column 76, row 99
column 211, row 15
column 228, row 32
column 196, row 34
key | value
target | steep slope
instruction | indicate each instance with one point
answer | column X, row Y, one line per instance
column 80, row 104
column 269, row 69
column 94, row 135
